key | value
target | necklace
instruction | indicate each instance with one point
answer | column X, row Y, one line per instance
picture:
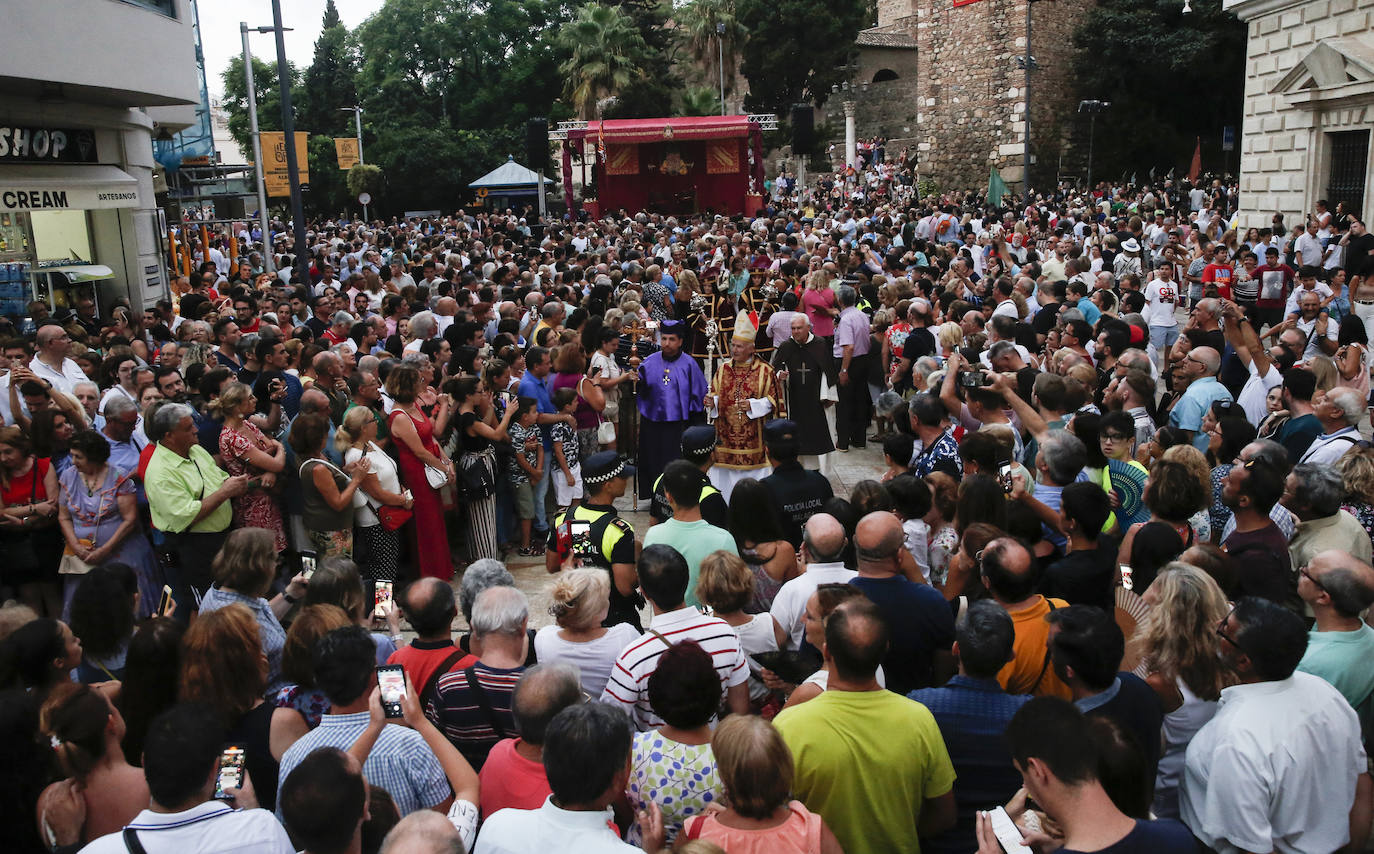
column 92, row 487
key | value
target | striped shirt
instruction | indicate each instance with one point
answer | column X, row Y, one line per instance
column 400, row 761
column 462, row 718
column 628, row 686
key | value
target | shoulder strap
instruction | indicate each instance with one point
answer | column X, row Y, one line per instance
column 431, row 686
column 1044, row 665
column 484, row 702
column 131, row 842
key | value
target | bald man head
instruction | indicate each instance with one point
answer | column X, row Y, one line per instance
column 878, row 540
column 1335, row 581
column 823, row 539
column 1204, row 361
column 422, row 832
column 856, row 640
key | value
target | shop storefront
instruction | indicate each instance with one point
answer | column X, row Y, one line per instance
column 71, row 222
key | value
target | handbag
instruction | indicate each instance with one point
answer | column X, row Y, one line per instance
column 437, row 477
column 393, row 517
column 476, row 481
column 70, row 563
column 605, row 432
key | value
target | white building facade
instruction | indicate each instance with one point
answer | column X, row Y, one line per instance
column 85, row 87
column 1309, row 107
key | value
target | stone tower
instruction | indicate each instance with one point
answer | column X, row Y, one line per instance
column 967, row 96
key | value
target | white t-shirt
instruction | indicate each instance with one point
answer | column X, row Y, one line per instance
column 1251, row 398
column 594, row 658
column 1306, row 327
column 1319, row 289
column 1161, row 300
column 384, row 467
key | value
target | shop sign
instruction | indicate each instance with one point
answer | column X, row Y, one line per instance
column 28, row 144
column 76, row 197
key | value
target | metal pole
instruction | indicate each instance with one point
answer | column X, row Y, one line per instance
column 720, row 43
column 1026, row 153
column 257, row 152
column 358, row 125
column 1092, row 133
column 293, row 172
column 543, row 209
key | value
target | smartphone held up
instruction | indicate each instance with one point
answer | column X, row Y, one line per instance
column 391, row 681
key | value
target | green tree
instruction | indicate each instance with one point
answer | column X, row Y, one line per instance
column 365, row 178
column 700, row 101
column 329, row 84
column 1169, row 77
column 795, row 55
column 696, row 32
column 268, row 98
column 607, row 55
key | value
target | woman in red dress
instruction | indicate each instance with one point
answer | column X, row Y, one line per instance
column 413, row 433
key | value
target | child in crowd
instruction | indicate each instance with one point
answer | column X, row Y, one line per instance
column 898, row 449
column 567, row 482
column 911, row 502
column 526, row 468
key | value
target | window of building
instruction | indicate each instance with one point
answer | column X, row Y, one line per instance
column 163, row 7
column 884, row 75
column 1349, row 161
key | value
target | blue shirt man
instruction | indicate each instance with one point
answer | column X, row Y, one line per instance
column 1201, row 365
column 973, row 711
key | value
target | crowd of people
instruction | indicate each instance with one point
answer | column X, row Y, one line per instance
column 1115, row 563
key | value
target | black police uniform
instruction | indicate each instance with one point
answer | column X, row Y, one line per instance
column 609, row 541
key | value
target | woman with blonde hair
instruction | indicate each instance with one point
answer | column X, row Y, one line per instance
column 1180, row 660
column 1327, row 374
column 224, row 667
column 580, row 599
column 818, row 301
column 757, row 769
column 378, row 546
column 246, row 451
column 1357, row 476
column 726, row 585
column 950, row 337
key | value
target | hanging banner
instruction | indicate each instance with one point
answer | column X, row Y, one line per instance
column 722, row 156
column 274, row 173
column 346, row 148
column 622, row 159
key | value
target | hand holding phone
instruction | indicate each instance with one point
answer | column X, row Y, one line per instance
column 166, row 605
column 391, row 681
column 1006, row 832
column 381, row 599
column 231, row 771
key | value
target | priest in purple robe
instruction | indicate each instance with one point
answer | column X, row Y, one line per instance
column 672, row 391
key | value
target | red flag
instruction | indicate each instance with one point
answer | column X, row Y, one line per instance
column 1196, row 169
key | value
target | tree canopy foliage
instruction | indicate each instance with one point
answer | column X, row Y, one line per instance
column 795, row 54
column 1170, row 78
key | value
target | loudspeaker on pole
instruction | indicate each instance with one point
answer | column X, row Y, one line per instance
column 537, row 144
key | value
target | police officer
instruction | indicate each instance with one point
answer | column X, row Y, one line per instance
column 608, row 541
column 799, row 492
column 698, row 447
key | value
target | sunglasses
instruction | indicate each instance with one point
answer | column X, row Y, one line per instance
column 1224, row 635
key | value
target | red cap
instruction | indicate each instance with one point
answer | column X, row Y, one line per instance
column 1137, row 335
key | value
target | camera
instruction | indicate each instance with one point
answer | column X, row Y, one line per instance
column 973, row 379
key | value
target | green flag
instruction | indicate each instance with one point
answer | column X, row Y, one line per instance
column 997, row 188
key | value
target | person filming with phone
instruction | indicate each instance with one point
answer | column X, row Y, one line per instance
column 181, row 763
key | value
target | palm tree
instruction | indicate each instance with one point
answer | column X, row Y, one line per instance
column 700, row 101
column 698, row 29
column 606, row 56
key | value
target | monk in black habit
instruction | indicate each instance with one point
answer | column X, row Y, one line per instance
column 806, row 359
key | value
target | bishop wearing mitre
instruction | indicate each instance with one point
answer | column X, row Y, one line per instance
column 744, row 394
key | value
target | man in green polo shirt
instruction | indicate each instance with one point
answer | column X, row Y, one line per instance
column 692, row 536
column 188, row 497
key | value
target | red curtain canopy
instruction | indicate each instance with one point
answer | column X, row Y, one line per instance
column 694, row 128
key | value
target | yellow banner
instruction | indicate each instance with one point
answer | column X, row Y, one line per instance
column 347, row 150
column 274, row 161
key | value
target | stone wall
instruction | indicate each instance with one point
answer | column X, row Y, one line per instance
column 968, row 100
column 1290, row 112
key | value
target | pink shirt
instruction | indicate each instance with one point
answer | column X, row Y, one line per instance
column 815, row 303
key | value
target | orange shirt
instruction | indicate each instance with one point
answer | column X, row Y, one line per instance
column 1031, row 654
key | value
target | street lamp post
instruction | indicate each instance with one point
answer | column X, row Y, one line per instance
column 1026, row 151
column 720, row 42
column 263, row 218
column 1092, row 108
column 357, row 112
column 293, row 172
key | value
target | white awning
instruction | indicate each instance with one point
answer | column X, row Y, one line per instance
column 77, row 273
column 37, row 187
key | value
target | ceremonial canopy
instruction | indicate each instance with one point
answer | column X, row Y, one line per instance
column 684, row 165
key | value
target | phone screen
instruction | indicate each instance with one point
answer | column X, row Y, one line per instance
column 580, row 531
column 1004, row 470
column 164, row 604
column 381, row 598
column 391, row 679
column 1007, row 833
column 230, row 774
column 307, row 566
